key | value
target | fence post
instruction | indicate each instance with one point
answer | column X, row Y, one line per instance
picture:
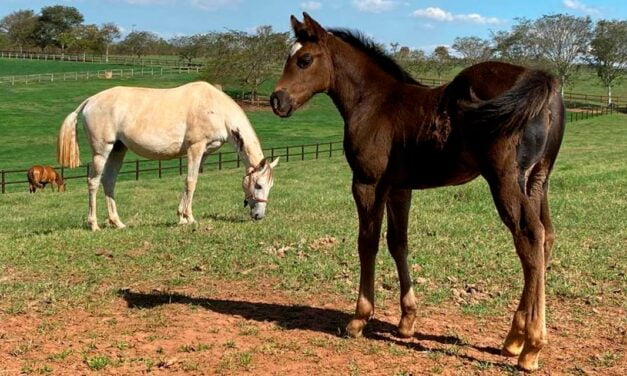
column 330, row 149
column 238, row 159
column 137, row 169
column 272, row 154
column 302, row 152
column 220, row 161
column 3, row 181
column 317, row 149
column 180, row 166
column 287, row 154
column 159, row 169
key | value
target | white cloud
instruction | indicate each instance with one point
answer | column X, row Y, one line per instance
column 439, row 14
column 578, row 5
column 375, row 6
column 214, row 4
column 311, row 5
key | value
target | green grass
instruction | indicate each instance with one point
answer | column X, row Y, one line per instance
column 15, row 67
column 48, row 260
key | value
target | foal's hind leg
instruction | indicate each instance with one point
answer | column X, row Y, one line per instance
column 518, row 211
column 112, row 167
column 398, row 204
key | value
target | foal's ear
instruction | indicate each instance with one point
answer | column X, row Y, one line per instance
column 313, row 28
column 297, row 26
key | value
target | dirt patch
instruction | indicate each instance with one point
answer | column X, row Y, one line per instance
column 243, row 328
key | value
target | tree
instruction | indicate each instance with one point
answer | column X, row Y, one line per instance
column 55, row 25
column 262, row 54
column 441, row 60
column 608, row 53
column 562, row 40
column 109, row 32
column 516, row 46
column 139, row 42
column 19, row 27
column 473, row 49
column 190, row 47
column 394, row 46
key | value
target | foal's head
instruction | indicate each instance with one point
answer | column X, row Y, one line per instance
column 308, row 69
column 257, row 184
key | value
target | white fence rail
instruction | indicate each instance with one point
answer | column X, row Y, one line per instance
column 97, row 59
column 101, row 74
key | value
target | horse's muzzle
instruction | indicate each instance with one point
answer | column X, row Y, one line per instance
column 281, row 103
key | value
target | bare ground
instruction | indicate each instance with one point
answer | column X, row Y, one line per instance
column 245, row 329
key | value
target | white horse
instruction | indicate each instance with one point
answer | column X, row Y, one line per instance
column 193, row 120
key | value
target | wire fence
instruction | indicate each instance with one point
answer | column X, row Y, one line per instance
column 15, row 180
column 100, row 74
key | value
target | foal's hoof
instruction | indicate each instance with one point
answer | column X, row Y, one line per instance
column 406, row 326
column 355, row 328
column 117, row 224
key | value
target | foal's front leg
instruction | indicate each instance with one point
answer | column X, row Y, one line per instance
column 370, row 201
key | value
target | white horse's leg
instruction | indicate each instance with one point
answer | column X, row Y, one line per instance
column 194, row 160
column 98, row 162
column 112, row 167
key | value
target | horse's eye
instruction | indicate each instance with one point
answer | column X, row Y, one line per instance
column 304, row 61
column 257, row 186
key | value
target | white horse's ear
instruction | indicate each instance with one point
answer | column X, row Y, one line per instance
column 250, row 170
column 274, row 162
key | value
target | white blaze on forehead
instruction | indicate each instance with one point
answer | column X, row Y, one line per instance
column 295, row 47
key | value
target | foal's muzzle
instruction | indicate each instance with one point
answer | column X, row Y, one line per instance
column 281, row 103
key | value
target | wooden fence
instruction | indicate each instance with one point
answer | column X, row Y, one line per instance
column 133, row 170
column 101, row 74
column 98, row 59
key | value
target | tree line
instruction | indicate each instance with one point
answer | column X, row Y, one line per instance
column 559, row 42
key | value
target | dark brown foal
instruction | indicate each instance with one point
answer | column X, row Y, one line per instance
column 497, row 120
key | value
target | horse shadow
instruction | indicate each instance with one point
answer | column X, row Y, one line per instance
column 302, row 317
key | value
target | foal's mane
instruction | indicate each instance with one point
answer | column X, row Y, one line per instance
column 366, row 45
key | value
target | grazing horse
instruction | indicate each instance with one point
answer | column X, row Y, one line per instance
column 501, row 121
column 39, row 176
column 193, row 120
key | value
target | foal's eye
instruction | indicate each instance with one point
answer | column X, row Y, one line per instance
column 304, row 61
column 257, row 186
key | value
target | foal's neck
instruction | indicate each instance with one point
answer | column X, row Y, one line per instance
column 356, row 82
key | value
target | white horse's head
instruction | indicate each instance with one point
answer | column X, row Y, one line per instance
column 257, row 184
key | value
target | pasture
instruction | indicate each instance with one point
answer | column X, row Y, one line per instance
column 229, row 295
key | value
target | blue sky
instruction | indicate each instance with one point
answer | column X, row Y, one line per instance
column 415, row 23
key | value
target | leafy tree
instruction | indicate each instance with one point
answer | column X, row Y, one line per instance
column 562, row 40
column 515, row 45
column 139, row 43
column 19, row 27
column 473, row 49
column 55, row 26
column 109, row 32
column 440, row 60
column 263, row 53
column 191, row 47
column 608, row 53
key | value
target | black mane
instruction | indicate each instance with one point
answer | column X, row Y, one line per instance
column 370, row 48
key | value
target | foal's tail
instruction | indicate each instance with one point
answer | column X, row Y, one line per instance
column 67, row 144
column 512, row 110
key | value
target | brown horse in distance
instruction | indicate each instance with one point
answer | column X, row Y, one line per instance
column 501, row 121
column 39, row 176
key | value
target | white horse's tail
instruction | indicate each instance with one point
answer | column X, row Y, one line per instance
column 67, row 143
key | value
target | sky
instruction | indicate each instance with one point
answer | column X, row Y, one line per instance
column 422, row 24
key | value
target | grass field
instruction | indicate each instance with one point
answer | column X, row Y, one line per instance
column 305, row 247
